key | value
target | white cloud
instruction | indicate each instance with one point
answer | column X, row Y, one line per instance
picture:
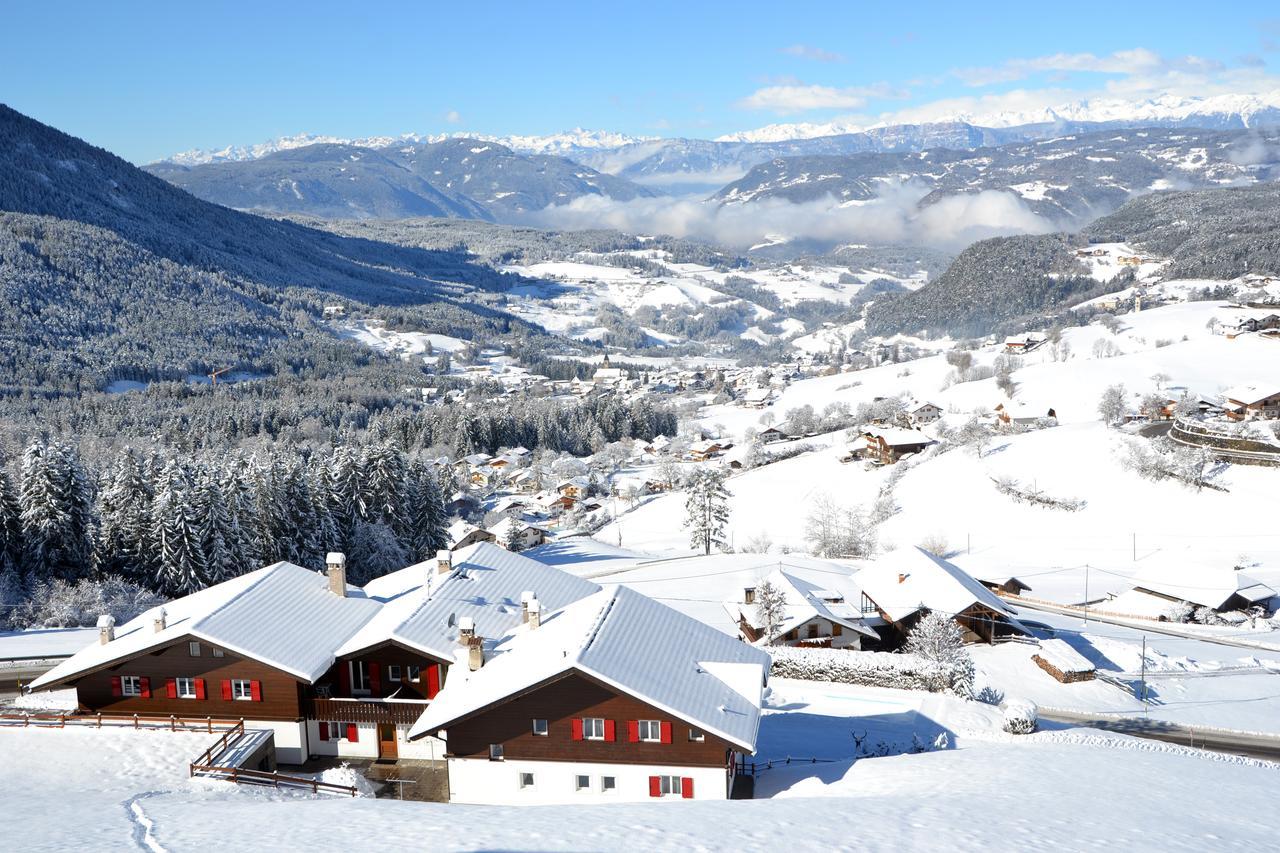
column 798, row 97
column 1136, row 61
column 893, row 217
column 817, row 54
column 453, row 117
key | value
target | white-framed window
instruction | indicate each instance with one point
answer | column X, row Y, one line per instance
column 696, row 736
column 130, row 685
column 582, row 783
column 593, row 728
column 360, row 681
column 608, row 783
column 414, row 673
column 336, row 731
column 186, row 687
column 393, row 672
column 540, row 728
column 495, row 752
column 193, row 649
column 217, row 653
column 526, row 780
column 651, row 731
column 242, row 688
column 670, row 785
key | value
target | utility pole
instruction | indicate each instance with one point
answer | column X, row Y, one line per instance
column 968, row 543
column 1144, row 672
column 1086, row 593
column 1135, row 547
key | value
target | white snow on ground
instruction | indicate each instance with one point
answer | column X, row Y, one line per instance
column 405, row 344
column 84, row 789
column 44, row 643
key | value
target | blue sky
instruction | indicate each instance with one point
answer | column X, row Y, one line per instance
column 147, row 79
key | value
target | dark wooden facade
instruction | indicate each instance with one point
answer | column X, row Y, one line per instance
column 280, row 694
column 379, row 661
column 573, row 697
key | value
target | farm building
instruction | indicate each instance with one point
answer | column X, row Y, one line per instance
column 829, row 615
column 1064, row 663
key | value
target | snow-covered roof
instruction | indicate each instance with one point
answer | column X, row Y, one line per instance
column 460, row 530
column 502, row 529
column 1208, row 586
column 632, row 643
column 897, row 437
column 1060, row 655
column 282, row 615
column 837, row 600
column 1250, row 394
column 485, row 585
column 927, row 581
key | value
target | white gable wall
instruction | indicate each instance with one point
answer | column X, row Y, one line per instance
column 480, row 781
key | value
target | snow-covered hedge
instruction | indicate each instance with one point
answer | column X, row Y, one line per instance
column 871, row 669
column 1020, row 717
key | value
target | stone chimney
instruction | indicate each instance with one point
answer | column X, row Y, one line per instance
column 533, row 613
column 161, row 621
column 475, row 653
column 106, row 628
column 525, row 598
column 444, row 562
column 466, row 629
column 902, row 578
column 335, row 567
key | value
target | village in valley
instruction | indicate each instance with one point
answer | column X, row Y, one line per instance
column 837, row 568
column 665, row 428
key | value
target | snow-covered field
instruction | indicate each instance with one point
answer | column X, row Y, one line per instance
column 85, row 789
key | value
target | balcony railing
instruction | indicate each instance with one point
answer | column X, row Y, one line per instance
column 399, row 711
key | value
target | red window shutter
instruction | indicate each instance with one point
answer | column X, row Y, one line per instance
column 633, row 731
column 375, row 679
column 686, row 788
column 144, row 686
column 324, row 731
column 171, row 687
column 577, row 728
column 344, row 678
column 655, row 786
column 353, row 733
column 115, row 686
column 666, row 733
column 433, row 680
column 255, row 690
column 608, row 730
column 226, row 689
column 200, row 688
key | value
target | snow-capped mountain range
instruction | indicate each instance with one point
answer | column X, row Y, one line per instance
column 577, row 139
column 1217, row 111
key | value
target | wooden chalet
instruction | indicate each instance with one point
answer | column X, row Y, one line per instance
column 565, row 710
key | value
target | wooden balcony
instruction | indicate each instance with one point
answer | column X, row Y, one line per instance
column 402, row 712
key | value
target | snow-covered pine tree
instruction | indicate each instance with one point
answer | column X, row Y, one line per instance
column 324, row 533
column 10, row 522
column 124, row 511
column 374, row 552
column 346, row 492
column 55, row 509
column 175, row 534
column 245, row 550
column 427, row 522
column 706, row 509
column 384, row 475
column 217, row 527
column 513, row 539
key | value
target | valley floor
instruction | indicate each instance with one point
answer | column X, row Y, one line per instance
column 1067, row 789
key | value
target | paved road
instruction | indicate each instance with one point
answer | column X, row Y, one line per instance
column 1152, row 627
column 10, row 677
column 1232, row 743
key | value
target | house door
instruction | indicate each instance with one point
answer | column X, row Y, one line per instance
column 387, row 750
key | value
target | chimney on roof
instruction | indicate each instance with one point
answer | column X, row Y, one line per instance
column 444, row 562
column 106, row 628
column 161, row 621
column 475, row 653
column 525, row 598
column 466, row 629
column 902, row 578
column 533, row 613
column 335, row 568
